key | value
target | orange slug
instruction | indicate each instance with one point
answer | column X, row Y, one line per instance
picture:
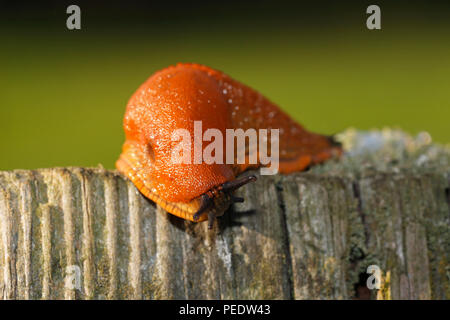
column 174, row 98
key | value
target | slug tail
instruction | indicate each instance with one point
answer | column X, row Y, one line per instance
column 320, row 149
column 333, row 142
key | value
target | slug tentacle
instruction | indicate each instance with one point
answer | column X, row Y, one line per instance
column 231, row 186
column 237, row 199
column 206, row 203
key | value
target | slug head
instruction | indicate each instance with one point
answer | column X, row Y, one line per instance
column 216, row 201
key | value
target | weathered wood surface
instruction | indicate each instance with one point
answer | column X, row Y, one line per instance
column 77, row 233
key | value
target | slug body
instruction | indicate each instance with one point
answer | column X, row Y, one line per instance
column 174, row 98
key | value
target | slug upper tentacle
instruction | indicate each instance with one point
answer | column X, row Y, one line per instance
column 179, row 98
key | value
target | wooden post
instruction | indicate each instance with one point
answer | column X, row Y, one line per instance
column 78, row 233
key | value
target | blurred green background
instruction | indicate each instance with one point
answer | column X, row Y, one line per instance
column 63, row 93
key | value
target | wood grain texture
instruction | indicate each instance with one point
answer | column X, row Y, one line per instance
column 79, row 233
